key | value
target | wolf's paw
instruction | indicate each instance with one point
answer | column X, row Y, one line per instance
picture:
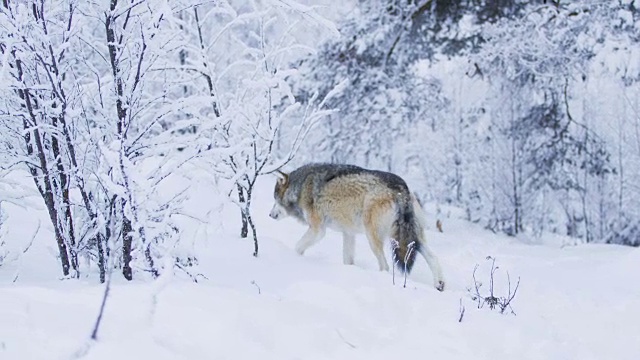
column 300, row 250
column 440, row 285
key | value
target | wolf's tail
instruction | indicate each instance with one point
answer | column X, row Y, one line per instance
column 405, row 234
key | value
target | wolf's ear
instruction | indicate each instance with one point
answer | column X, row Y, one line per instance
column 283, row 179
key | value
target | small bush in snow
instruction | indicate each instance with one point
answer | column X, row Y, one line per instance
column 488, row 297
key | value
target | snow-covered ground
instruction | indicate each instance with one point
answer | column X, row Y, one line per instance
column 574, row 302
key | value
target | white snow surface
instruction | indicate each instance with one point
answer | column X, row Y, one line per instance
column 574, row 302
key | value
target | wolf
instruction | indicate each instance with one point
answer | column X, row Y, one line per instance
column 353, row 200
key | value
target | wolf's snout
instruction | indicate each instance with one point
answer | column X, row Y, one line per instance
column 276, row 212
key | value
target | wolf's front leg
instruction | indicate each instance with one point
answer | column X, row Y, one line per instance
column 312, row 236
column 348, row 248
column 314, row 233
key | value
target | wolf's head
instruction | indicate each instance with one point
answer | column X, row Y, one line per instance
column 278, row 211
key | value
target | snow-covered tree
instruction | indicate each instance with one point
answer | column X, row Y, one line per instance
column 35, row 39
column 384, row 99
column 510, row 131
column 58, row 102
column 557, row 155
column 244, row 90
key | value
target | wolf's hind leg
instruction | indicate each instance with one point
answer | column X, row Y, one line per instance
column 348, row 248
column 376, row 225
column 372, row 224
column 434, row 265
column 376, row 243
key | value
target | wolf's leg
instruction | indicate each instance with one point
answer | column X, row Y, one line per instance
column 348, row 248
column 311, row 237
column 434, row 265
column 314, row 234
column 376, row 244
column 373, row 222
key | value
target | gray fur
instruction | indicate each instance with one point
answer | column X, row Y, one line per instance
column 319, row 174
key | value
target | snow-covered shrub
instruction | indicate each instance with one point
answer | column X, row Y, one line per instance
column 488, row 297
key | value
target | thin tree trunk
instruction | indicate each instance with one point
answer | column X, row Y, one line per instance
column 244, row 230
column 127, row 241
column 51, row 205
column 254, row 233
column 112, row 43
column 516, row 190
column 66, row 222
column 247, row 215
column 205, row 64
column 583, row 196
column 105, row 252
column 101, row 260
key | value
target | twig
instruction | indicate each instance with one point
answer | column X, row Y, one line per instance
column 476, row 296
column 256, row 285
column 491, row 299
column 33, row 237
column 94, row 334
column 406, row 261
column 507, row 301
column 345, row 340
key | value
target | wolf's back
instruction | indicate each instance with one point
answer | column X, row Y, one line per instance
column 307, row 182
column 319, row 174
column 322, row 172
